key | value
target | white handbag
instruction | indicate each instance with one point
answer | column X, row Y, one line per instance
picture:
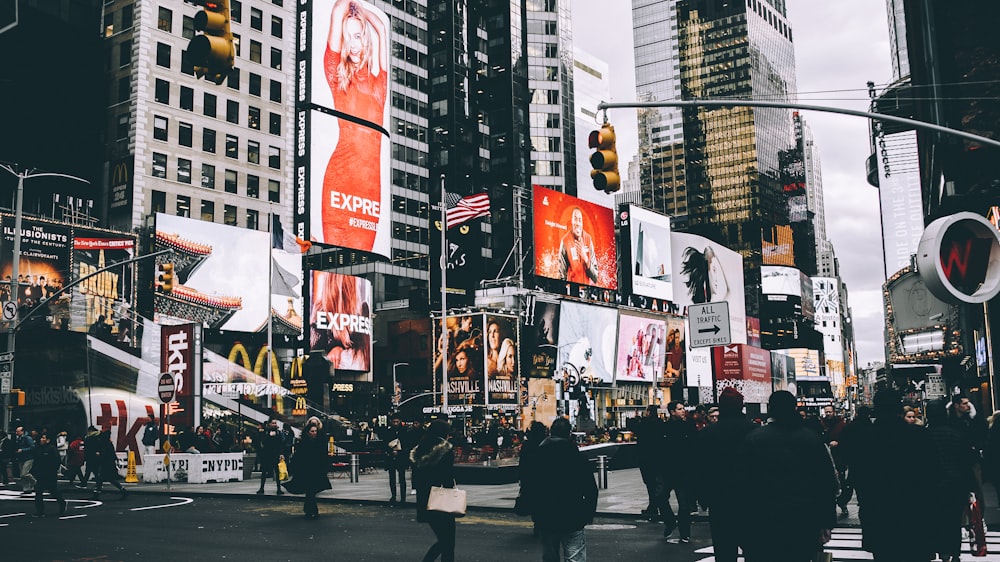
column 447, row 500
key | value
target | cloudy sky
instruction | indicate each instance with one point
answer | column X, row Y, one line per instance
column 839, row 47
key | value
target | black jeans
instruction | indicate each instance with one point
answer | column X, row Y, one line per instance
column 52, row 486
column 269, row 466
column 397, row 473
column 444, row 530
column 310, row 507
column 725, row 525
column 685, row 503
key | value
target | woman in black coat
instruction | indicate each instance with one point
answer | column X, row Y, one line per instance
column 310, row 466
column 949, row 494
column 433, row 461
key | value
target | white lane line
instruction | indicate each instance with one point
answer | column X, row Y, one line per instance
column 183, row 501
column 13, row 515
column 73, row 516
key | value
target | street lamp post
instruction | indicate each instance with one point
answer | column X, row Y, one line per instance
column 16, row 262
column 396, row 394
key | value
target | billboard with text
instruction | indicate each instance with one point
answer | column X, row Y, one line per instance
column 706, row 271
column 646, row 245
column 574, row 240
column 340, row 320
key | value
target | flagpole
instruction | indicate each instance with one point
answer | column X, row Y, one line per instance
column 270, row 272
column 444, row 303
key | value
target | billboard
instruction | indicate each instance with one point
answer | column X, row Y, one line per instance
column 675, row 349
column 343, row 149
column 745, row 368
column 587, row 336
column 706, row 271
column 179, row 356
column 465, row 262
column 44, row 260
column 646, row 245
column 107, row 294
column 502, row 365
column 340, row 320
column 466, row 358
column 782, row 372
column 641, row 348
column 574, row 240
column 540, row 333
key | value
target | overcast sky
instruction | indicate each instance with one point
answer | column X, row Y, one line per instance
column 838, row 46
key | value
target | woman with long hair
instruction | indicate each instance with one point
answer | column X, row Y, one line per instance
column 433, row 461
column 310, row 465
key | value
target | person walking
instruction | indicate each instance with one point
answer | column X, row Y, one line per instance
column 564, row 495
column 433, row 461
column 90, row 455
column 950, row 493
column 537, row 432
column 6, row 457
column 397, row 457
column 75, row 460
column 150, row 435
column 833, row 426
column 677, row 472
column 973, row 427
column 23, row 456
column 46, row 471
column 718, row 447
column 789, row 488
column 649, row 432
column 272, row 446
column 310, row 465
column 107, row 465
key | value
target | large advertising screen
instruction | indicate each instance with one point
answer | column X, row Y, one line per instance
column 44, row 262
column 587, row 336
column 502, row 365
column 105, row 297
column 574, row 240
column 641, row 348
column 648, row 251
column 343, row 148
column 466, row 358
column 465, row 262
column 675, row 348
column 340, row 320
column 745, row 368
column 706, row 271
column 540, row 334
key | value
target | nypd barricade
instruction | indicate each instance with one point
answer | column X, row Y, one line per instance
column 193, row 468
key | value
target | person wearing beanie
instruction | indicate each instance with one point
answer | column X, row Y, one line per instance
column 716, row 486
column 788, row 488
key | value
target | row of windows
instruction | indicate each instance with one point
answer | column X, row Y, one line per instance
column 158, row 204
column 161, row 94
column 208, row 176
column 164, row 53
column 165, row 16
column 185, row 134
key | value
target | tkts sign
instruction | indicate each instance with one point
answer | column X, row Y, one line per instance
column 177, row 357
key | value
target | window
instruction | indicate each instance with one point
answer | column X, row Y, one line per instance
column 233, row 80
column 164, row 20
column 274, row 191
column 124, row 123
column 233, row 111
column 208, row 140
column 253, row 152
column 253, row 219
column 253, row 186
column 208, row 211
column 127, row 12
column 274, row 157
column 163, row 55
column 276, row 26
column 187, row 28
column 183, row 170
column 161, row 92
column 159, row 165
column 159, row 202
column 229, row 215
column 232, row 146
column 109, row 24
column 253, row 118
column 187, row 98
column 275, row 91
column 183, row 206
column 255, row 50
column 159, row 128
column 256, row 19
column 208, row 176
column 236, row 10
column 125, row 53
column 210, row 100
column 230, row 181
column 184, row 134
column 274, row 126
column 275, row 58
column 255, row 84
column 124, row 89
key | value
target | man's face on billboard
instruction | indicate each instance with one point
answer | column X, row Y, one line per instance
column 577, row 223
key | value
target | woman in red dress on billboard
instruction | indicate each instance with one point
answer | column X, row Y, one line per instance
column 355, row 66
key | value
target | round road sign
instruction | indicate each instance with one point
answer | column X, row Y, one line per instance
column 166, row 388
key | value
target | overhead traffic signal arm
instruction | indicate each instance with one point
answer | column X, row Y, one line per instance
column 212, row 52
column 605, row 160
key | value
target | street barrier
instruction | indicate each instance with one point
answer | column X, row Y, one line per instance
column 355, row 467
column 602, row 471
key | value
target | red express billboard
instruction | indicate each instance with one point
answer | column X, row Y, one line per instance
column 574, row 240
column 745, row 368
column 340, row 320
column 342, row 152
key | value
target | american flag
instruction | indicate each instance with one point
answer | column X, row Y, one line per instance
column 464, row 209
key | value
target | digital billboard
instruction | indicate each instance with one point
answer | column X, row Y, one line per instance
column 745, row 368
column 586, row 343
column 44, row 262
column 648, row 252
column 574, row 240
column 540, row 333
column 107, row 294
column 466, row 358
column 342, row 145
column 465, row 262
column 502, row 365
column 340, row 320
column 641, row 348
column 675, row 348
column 705, row 271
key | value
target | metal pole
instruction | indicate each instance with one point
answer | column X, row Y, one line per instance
column 15, row 290
column 444, row 304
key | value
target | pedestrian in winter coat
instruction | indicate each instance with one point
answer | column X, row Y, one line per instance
column 397, row 457
column 90, row 453
column 650, row 447
column 6, row 457
column 678, row 472
column 24, row 456
column 789, row 484
column 74, row 461
column 272, row 447
column 433, row 461
column 107, row 465
column 991, row 455
column 310, row 465
column 717, row 488
column 950, row 493
column 564, row 495
column 966, row 419
column 46, row 472
column 537, row 432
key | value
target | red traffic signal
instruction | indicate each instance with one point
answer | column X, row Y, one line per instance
column 212, row 52
column 605, row 160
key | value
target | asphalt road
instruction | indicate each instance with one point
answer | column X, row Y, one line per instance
column 164, row 527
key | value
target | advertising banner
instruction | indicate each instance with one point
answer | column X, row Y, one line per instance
column 574, row 240
column 465, row 262
column 466, row 358
column 782, row 372
column 340, row 320
column 178, row 357
column 706, row 271
column 675, row 347
column 745, row 368
column 104, row 298
column 641, row 348
column 120, row 193
column 540, row 334
column 646, row 242
column 587, row 336
column 44, row 260
column 502, row 365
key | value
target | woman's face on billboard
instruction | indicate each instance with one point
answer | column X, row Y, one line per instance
column 354, row 32
column 461, row 361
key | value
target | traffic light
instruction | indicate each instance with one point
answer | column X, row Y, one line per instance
column 605, row 159
column 167, row 277
column 212, row 52
column 17, row 396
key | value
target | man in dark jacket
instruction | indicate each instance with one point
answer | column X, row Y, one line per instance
column 397, row 457
column 649, row 442
column 46, row 470
column 719, row 446
column 833, row 426
column 107, row 464
column 90, row 455
column 562, row 481
column 678, row 473
column 789, row 488
column 272, row 446
column 24, row 455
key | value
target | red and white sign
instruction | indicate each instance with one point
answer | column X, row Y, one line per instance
column 165, row 389
column 745, row 368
